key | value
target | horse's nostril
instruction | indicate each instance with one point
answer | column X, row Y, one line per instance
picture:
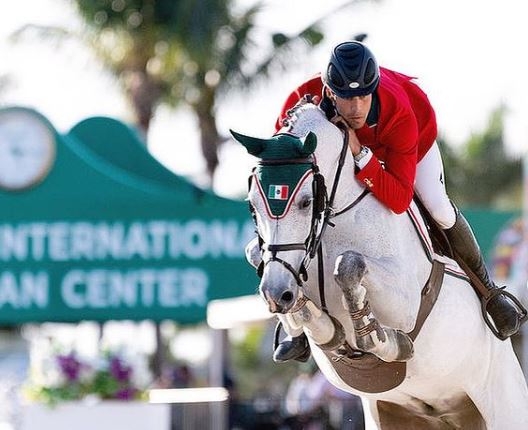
column 287, row 296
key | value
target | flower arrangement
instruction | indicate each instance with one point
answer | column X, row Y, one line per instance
column 67, row 376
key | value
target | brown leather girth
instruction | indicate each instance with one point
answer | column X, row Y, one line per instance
column 366, row 372
column 430, row 293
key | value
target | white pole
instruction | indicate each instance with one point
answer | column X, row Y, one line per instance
column 217, row 365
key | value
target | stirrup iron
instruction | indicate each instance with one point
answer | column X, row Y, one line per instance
column 484, row 301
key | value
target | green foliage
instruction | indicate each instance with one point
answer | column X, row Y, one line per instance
column 182, row 40
column 66, row 376
column 188, row 52
column 256, row 372
column 481, row 173
column 54, row 396
column 191, row 52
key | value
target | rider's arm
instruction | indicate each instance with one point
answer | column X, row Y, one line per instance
column 313, row 86
column 393, row 183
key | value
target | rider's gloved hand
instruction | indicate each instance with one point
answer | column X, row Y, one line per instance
column 307, row 98
column 327, row 106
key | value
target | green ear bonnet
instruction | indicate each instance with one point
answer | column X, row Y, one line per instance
column 285, row 161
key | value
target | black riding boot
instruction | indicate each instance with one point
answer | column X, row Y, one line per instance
column 504, row 313
column 292, row 348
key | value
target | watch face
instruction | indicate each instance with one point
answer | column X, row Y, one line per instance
column 27, row 149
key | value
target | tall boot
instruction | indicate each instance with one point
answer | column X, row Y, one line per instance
column 291, row 348
column 506, row 314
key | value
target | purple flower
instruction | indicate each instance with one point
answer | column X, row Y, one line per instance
column 128, row 393
column 119, row 370
column 70, row 366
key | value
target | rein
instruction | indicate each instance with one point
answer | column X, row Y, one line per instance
column 329, row 213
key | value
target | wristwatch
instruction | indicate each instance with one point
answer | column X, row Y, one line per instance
column 362, row 153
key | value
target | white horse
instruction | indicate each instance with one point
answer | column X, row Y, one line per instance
column 374, row 264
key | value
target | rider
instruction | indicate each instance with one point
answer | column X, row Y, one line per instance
column 392, row 128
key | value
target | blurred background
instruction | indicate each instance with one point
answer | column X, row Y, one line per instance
column 182, row 73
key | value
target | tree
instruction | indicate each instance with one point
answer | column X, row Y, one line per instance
column 191, row 52
column 482, row 173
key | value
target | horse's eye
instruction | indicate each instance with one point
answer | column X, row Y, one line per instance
column 306, row 203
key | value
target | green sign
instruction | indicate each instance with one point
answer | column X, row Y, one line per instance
column 97, row 235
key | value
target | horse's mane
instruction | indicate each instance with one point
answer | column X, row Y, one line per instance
column 310, row 117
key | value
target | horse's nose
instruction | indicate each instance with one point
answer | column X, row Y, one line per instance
column 279, row 301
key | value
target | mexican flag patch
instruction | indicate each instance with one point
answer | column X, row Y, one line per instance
column 278, row 192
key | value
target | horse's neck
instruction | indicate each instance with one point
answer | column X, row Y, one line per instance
column 389, row 242
column 370, row 226
column 348, row 188
column 329, row 146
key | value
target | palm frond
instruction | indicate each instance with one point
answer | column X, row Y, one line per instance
column 36, row 32
column 283, row 51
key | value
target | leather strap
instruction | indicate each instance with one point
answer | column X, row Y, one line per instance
column 430, row 293
column 475, row 281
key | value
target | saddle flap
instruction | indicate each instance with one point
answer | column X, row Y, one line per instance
column 368, row 373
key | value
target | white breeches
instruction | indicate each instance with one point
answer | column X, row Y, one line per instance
column 430, row 188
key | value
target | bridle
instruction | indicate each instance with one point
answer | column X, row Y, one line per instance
column 320, row 203
column 322, row 213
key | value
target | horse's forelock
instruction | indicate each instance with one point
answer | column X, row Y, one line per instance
column 310, row 118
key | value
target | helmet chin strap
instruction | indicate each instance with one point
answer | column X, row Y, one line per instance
column 343, row 119
column 327, row 91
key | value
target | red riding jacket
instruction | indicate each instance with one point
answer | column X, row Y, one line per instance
column 399, row 134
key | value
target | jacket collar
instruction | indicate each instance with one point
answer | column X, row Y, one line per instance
column 373, row 115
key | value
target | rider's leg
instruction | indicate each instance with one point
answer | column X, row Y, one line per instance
column 294, row 346
column 430, row 188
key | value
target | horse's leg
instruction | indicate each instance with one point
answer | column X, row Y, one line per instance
column 386, row 343
column 396, row 417
column 309, row 319
column 500, row 394
column 291, row 327
column 317, row 325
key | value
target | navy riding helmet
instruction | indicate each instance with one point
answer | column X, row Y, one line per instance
column 352, row 70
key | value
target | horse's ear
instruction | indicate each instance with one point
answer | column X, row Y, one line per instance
column 310, row 143
column 253, row 145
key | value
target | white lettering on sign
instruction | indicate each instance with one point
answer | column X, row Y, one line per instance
column 146, row 288
column 58, row 242
column 157, row 239
column 25, row 290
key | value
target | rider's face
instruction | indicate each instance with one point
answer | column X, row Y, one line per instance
column 354, row 110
